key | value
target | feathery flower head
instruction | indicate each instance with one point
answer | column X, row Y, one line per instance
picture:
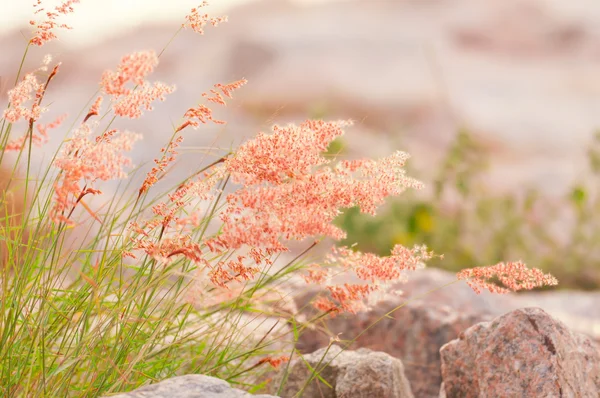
column 197, row 21
column 202, row 113
column 168, row 249
column 94, row 109
column 377, row 274
column 44, row 29
column 514, row 276
column 83, row 160
column 134, row 68
column 289, row 151
column 22, row 93
column 38, row 139
column 275, row 362
column 290, row 192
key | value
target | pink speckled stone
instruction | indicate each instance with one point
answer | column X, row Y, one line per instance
column 524, row 353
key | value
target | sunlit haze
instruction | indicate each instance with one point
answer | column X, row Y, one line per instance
column 93, row 17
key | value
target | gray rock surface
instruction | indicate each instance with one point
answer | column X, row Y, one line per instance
column 189, row 386
column 523, row 353
column 351, row 374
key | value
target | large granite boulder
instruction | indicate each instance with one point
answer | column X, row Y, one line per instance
column 358, row 374
column 523, row 353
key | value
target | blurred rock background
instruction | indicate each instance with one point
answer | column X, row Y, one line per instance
column 498, row 102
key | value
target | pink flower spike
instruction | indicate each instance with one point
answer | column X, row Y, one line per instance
column 198, row 21
column 133, row 67
column 127, row 102
column 275, row 362
column 514, row 276
column 227, row 89
column 38, row 139
column 94, row 109
column 44, row 29
column 84, row 161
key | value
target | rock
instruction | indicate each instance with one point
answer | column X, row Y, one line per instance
column 523, row 353
column 433, row 317
column 361, row 373
column 578, row 309
column 189, row 386
column 414, row 334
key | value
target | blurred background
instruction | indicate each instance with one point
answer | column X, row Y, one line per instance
column 497, row 101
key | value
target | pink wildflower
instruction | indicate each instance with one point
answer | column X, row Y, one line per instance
column 169, row 249
column 44, row 29
column 514, row 276
column 38, row 139
column 85, row 161
column 200, row 112
column 317, row 274
column 94, row 109
column 22, row 93
column 289, row 193
column 161, row 164
column 232, row 270
column 375, row 269
column 275, row 362
column 378, row 273
column 203, row 113
column 197, row 21
column 225, row 89
column 134, row 68
column 326, row 306
column 161, row 245
column 289, row 151
column 129, row 106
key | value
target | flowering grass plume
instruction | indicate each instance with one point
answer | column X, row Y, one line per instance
column 84, row 161
column 29, row 89
column 44, row 29
column 197, row 21
column 514, row 276
column 134, row 68
column 376, row 273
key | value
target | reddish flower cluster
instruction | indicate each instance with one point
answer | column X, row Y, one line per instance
column 167, row 249
column 197, row 21
column 377, row 272
column 203, row 114
column 44, row 29
column 134, row 68
column 514, row 276
column 153, row 236
column 94, row 109
column 275, row 362
column 169, row 156
column 38, row 139
column 226, row 89
column 167, row 214
column 289, row 193
column 22, row 94
column 239, row 269
column 85, row 160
